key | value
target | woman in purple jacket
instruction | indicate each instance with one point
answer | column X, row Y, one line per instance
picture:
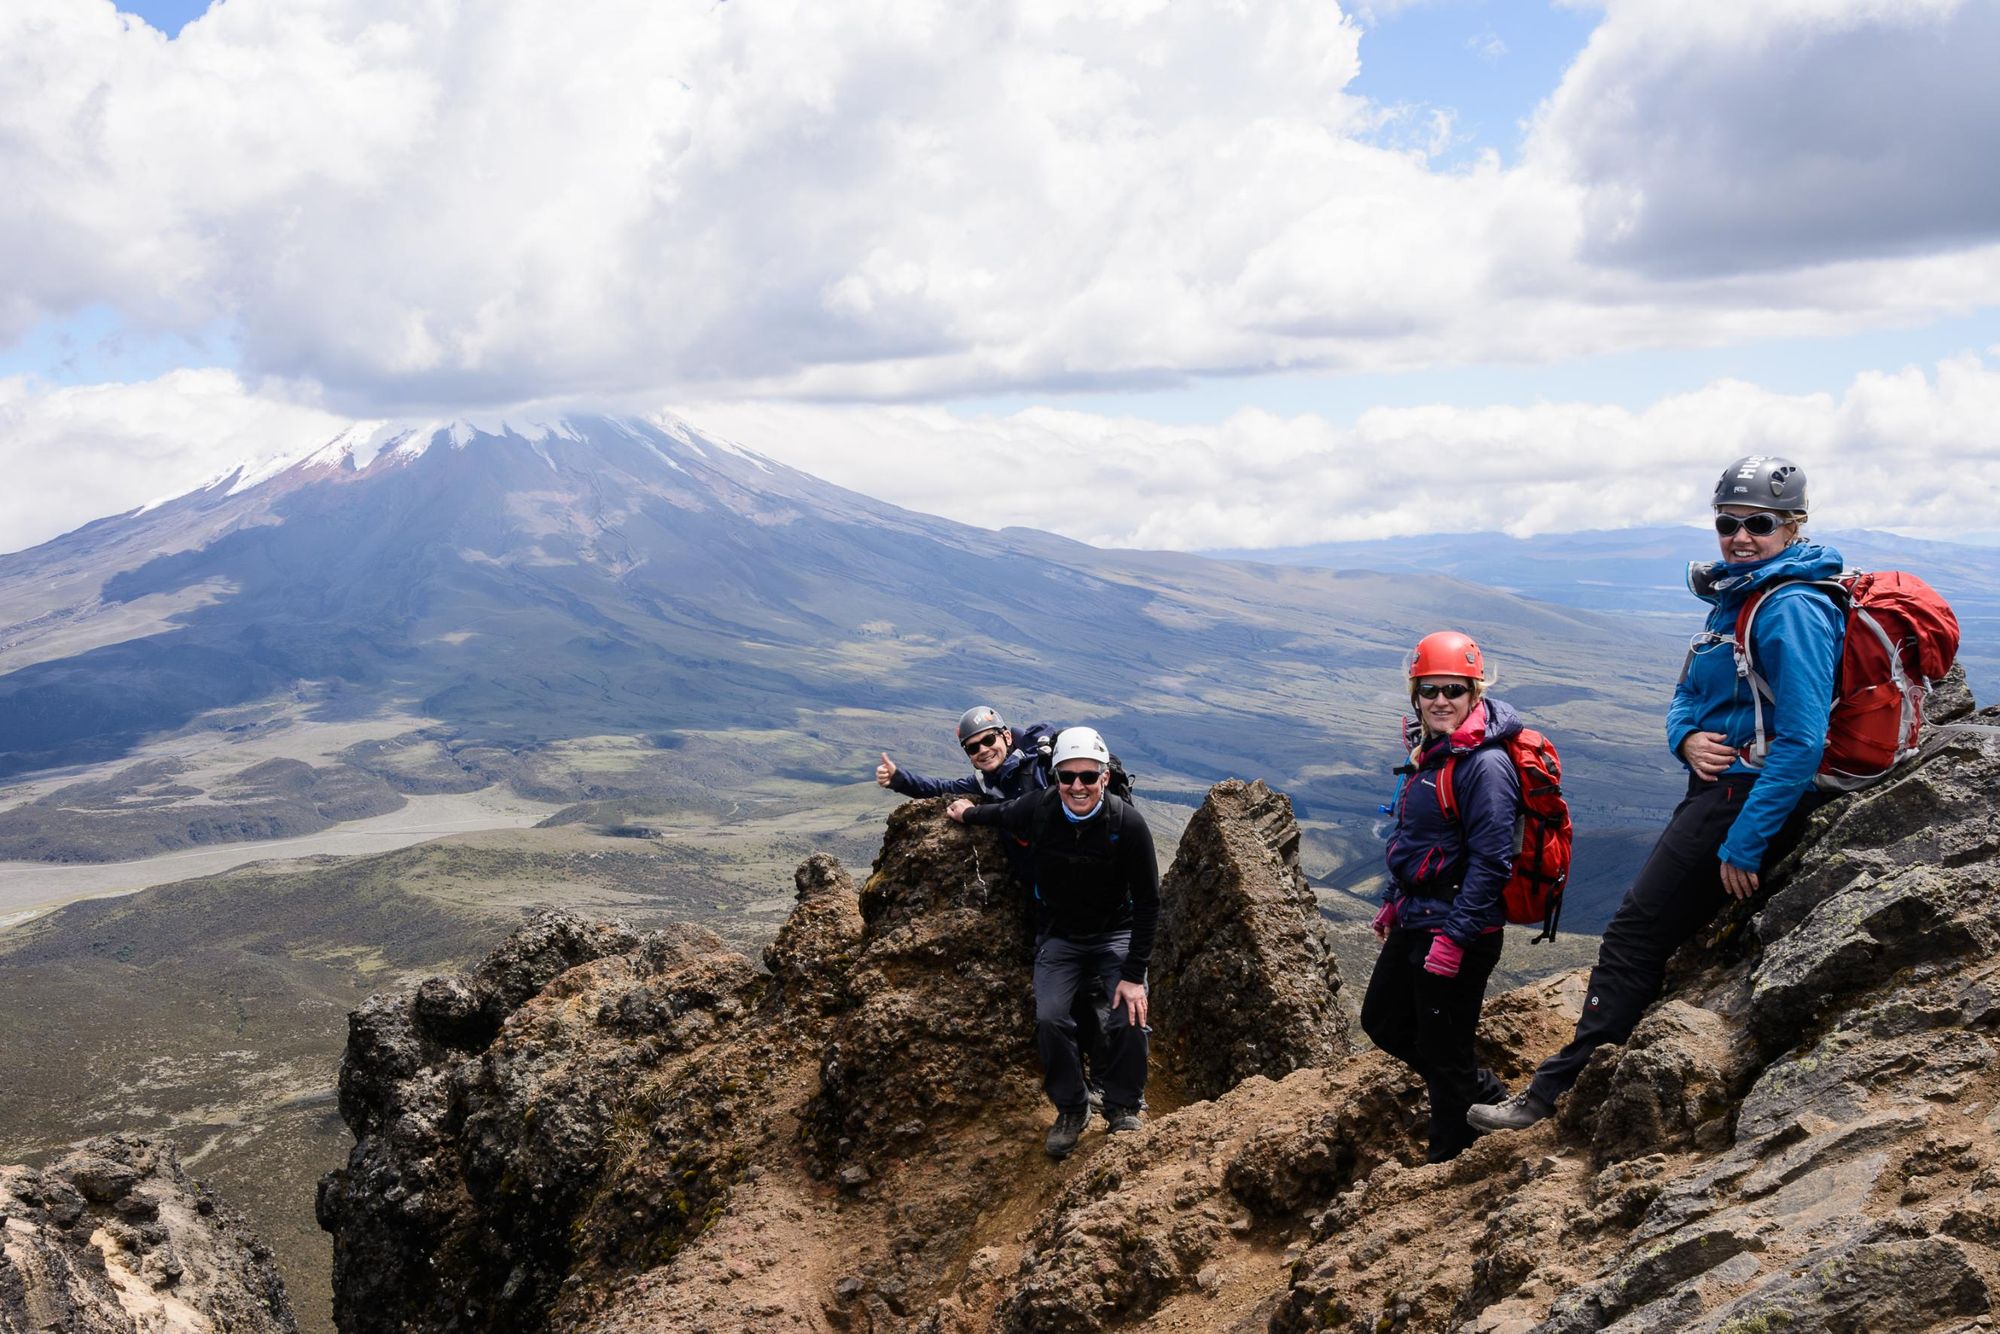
column 1441, row 919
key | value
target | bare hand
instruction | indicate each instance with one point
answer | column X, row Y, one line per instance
column 1132, row 996
column 885, row 770
column 1381, row 930
column 1708, row 754
column 1740, row 883
column 957, row 809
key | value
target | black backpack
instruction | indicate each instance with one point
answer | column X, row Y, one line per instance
column 1040, row 741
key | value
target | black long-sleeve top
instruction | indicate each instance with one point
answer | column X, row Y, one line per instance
column 1093, row 876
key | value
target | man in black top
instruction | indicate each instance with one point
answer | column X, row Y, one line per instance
column 1096, row 877
column 1005, row 765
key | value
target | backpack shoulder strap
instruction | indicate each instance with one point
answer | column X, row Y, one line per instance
column 1834, row 588
column 1447, row 794
column 1746, row 670
column 1447, row 788
column 1114, row 814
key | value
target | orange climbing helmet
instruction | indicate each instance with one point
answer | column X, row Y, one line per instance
column 1447, row 653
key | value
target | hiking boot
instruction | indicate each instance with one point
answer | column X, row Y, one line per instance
column 1119, row 1119
column 1095, row 1093
column 1517, row 1113
column 1063, row 1135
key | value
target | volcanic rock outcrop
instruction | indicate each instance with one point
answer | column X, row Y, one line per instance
column 573, row 1106
column 601, row 1130
column 940, row 1023
column 1799, row 1135
column 1245, row 978
column 115, row 1239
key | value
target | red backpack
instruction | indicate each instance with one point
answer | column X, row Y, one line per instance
column 1542, row 831
column 1901, row 638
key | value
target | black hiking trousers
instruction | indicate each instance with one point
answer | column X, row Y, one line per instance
column 1092, row 1007
column 1428, row 1023
column 1676, row 893
column 1062, row 968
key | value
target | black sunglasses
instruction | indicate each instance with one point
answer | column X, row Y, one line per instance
column 1083, row 777
column 1761, row 524
column 1451, row 691
column 981, row 742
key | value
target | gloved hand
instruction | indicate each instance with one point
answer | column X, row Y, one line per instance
column 1445, row 956
column 1385, row 921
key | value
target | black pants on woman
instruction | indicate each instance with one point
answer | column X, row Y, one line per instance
column 1427, row 1022
column 1678, row 892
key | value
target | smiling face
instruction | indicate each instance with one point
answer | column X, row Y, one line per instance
column 1442, row 715
column 988, row 749
column 1743, row 546
column 1079, row 797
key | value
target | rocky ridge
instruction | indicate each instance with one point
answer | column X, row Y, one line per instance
column 113, row 1238
column 1247, row 980
column 609, row 1132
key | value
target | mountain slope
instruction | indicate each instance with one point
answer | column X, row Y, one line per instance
column 524, row 587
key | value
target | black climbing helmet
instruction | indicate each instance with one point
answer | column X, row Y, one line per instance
column 1763, row 481
column 979, row 718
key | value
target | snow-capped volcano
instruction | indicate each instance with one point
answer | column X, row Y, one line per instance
column 366, row 444
column 520, row 576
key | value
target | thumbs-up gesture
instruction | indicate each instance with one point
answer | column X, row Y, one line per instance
column 885, row 770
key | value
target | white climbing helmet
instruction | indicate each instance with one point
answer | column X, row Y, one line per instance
column 1080, row 743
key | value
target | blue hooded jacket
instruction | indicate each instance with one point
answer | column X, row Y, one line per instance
column 1795, row 646
column 1445, row 874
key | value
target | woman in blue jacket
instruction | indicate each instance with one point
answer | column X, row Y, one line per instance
column 1440, row 924
column 1742, row 809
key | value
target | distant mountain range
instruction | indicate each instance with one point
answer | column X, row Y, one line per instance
column 599, row 609
column 1642, row 572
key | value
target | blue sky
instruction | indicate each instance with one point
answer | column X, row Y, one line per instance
column 169, row 16
column 1488, row 63
column 1634, row 235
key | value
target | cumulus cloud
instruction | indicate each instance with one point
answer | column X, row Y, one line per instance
column 1717, row 137
column 446, row 206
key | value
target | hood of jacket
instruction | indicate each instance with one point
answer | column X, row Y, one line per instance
column 1492, row 720
column 1018, row 774
column 1718, row 582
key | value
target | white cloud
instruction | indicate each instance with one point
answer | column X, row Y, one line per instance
column 1907, row 449
column 77, row 454
column 1897, row 450
column 443, row 206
